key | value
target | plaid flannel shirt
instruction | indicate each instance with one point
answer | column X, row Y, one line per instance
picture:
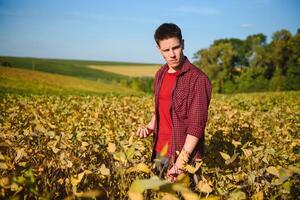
column 189, row 107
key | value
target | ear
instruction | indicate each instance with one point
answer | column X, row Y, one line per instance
column 182, row 43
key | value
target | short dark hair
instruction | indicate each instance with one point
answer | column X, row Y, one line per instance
column 166, row 31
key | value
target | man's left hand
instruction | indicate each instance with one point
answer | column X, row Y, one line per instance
column 173, row 173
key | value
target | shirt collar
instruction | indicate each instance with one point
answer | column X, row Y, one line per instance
column 185, row 67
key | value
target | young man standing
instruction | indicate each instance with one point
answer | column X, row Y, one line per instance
column 182, row 96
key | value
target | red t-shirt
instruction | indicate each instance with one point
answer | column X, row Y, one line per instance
column 165, row 122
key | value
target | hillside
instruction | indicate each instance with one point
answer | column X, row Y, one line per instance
column 79, row 68
column 22, row 81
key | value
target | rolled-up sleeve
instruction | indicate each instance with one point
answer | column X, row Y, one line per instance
column 198, row 106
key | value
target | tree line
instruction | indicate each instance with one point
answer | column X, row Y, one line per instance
column 253, row 65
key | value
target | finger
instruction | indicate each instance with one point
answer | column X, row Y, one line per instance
column 171, row 178
column 144, row 133
column 141, row 133
column 139, row 130
column 137, row 133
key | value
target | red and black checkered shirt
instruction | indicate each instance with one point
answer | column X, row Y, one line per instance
column 189, row 107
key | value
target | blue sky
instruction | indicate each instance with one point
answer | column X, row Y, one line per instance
column 119, row 30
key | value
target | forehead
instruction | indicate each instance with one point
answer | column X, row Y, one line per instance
column 169, row 42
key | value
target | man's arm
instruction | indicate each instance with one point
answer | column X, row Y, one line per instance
column 189, row 146
column 197, row 121
column 146, row 131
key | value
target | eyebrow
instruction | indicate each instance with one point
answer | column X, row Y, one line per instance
column 176, row 47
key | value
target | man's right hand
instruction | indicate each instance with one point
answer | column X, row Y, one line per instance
column 143, row 132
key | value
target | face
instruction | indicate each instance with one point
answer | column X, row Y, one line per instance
column 172, row 51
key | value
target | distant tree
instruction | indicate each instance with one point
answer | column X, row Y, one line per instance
column 292, row 81
column 218, row 62
column 280, row 50
column 253, row 64
column 5, row 64
column 254, row 49
column 240, row 48
column 294, row 49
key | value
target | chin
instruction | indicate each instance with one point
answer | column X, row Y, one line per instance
column 173, row 65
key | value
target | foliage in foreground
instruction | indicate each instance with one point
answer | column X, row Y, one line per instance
column 76, row 147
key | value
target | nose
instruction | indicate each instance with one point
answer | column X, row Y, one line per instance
column 172, row 53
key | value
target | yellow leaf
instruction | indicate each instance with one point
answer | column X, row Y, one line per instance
column 169, row 197
column 111, row 147
column 40, row 128
column 247, row 152
column 4, row 182
column 84, row 144
column 204, row 187
column 3, row 165
column 104, row 170
column 188, row 195
column 211, row 198
column 135, row 195
column 191, row 169
column 55, row 150
column 130, row 141
column 258, row 196
column 76, row 179
column 273, row 170
column 90, row 194
column 1, row 157
column 236, row 143
column 225, row 156
column 141, row 167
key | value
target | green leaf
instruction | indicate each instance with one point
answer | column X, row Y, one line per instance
column 287, row 186
column 237, row 195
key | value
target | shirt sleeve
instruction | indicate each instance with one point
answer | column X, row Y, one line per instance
column 198, row 106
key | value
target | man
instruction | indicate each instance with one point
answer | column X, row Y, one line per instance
column 182, row 96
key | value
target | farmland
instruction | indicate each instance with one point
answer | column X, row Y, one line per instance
column 22, row 81
column 73, row 146
column 91, row 70
column 67, row 132
column 129, row 70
